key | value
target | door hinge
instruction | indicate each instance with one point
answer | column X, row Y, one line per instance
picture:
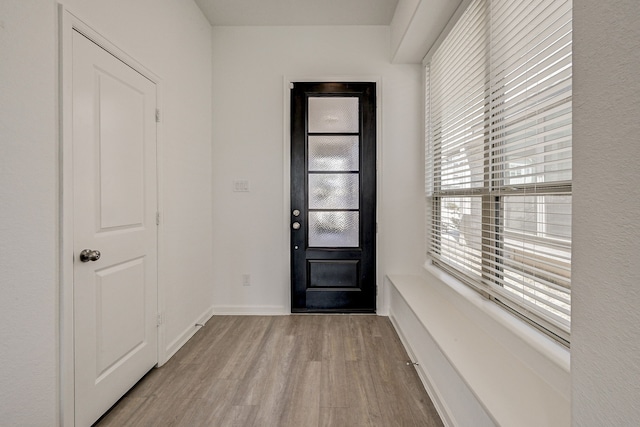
column 157, row 218
column 157, row 115
column 159, row 319
column 290, row 85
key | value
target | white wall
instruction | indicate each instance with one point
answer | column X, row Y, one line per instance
column 172, row 39
column 250, row 229
column 28, row 218
column 605, row 337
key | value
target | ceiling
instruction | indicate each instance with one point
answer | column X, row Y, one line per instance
column 298, row 12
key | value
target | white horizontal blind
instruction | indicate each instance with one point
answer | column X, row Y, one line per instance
column 499, row 155
column 458, row 90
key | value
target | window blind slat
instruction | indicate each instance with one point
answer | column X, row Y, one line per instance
column 498, row 172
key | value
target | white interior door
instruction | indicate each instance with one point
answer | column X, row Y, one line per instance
column 115, row 205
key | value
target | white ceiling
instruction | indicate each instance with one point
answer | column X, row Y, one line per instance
column 298, row 12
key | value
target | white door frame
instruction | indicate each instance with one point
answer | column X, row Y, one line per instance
column 381, row 308
column 66, row 376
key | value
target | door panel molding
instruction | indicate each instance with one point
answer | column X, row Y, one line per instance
column 68, row 23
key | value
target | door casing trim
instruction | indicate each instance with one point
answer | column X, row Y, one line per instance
column 381, row 308
column 67, row 23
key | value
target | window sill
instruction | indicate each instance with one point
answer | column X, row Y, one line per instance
column 499, row 323
column 518, row 374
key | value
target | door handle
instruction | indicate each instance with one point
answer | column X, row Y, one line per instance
column 295, row 225
column 89, row 255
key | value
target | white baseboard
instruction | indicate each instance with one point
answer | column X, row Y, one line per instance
column 250, row 310
column 188, row 332
column 429, row 385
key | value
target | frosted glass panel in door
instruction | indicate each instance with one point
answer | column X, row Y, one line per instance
column 333, row 191
column 333, row 115
column 334, row 229
column 334, row 153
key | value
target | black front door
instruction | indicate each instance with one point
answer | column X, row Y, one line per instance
column 333, row 197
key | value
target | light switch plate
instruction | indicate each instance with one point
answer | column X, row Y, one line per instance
column 240, row 185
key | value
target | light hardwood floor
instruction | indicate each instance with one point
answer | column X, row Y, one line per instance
column 281, row 371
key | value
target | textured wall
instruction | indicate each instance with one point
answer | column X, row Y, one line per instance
column 605, row 345
column 28, row 213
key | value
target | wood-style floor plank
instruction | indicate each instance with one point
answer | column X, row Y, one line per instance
column 282, row 371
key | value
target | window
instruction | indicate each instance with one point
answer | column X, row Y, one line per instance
column 498, row 145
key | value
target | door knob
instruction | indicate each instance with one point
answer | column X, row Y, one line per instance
column 296, row 225
column 89, row 255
